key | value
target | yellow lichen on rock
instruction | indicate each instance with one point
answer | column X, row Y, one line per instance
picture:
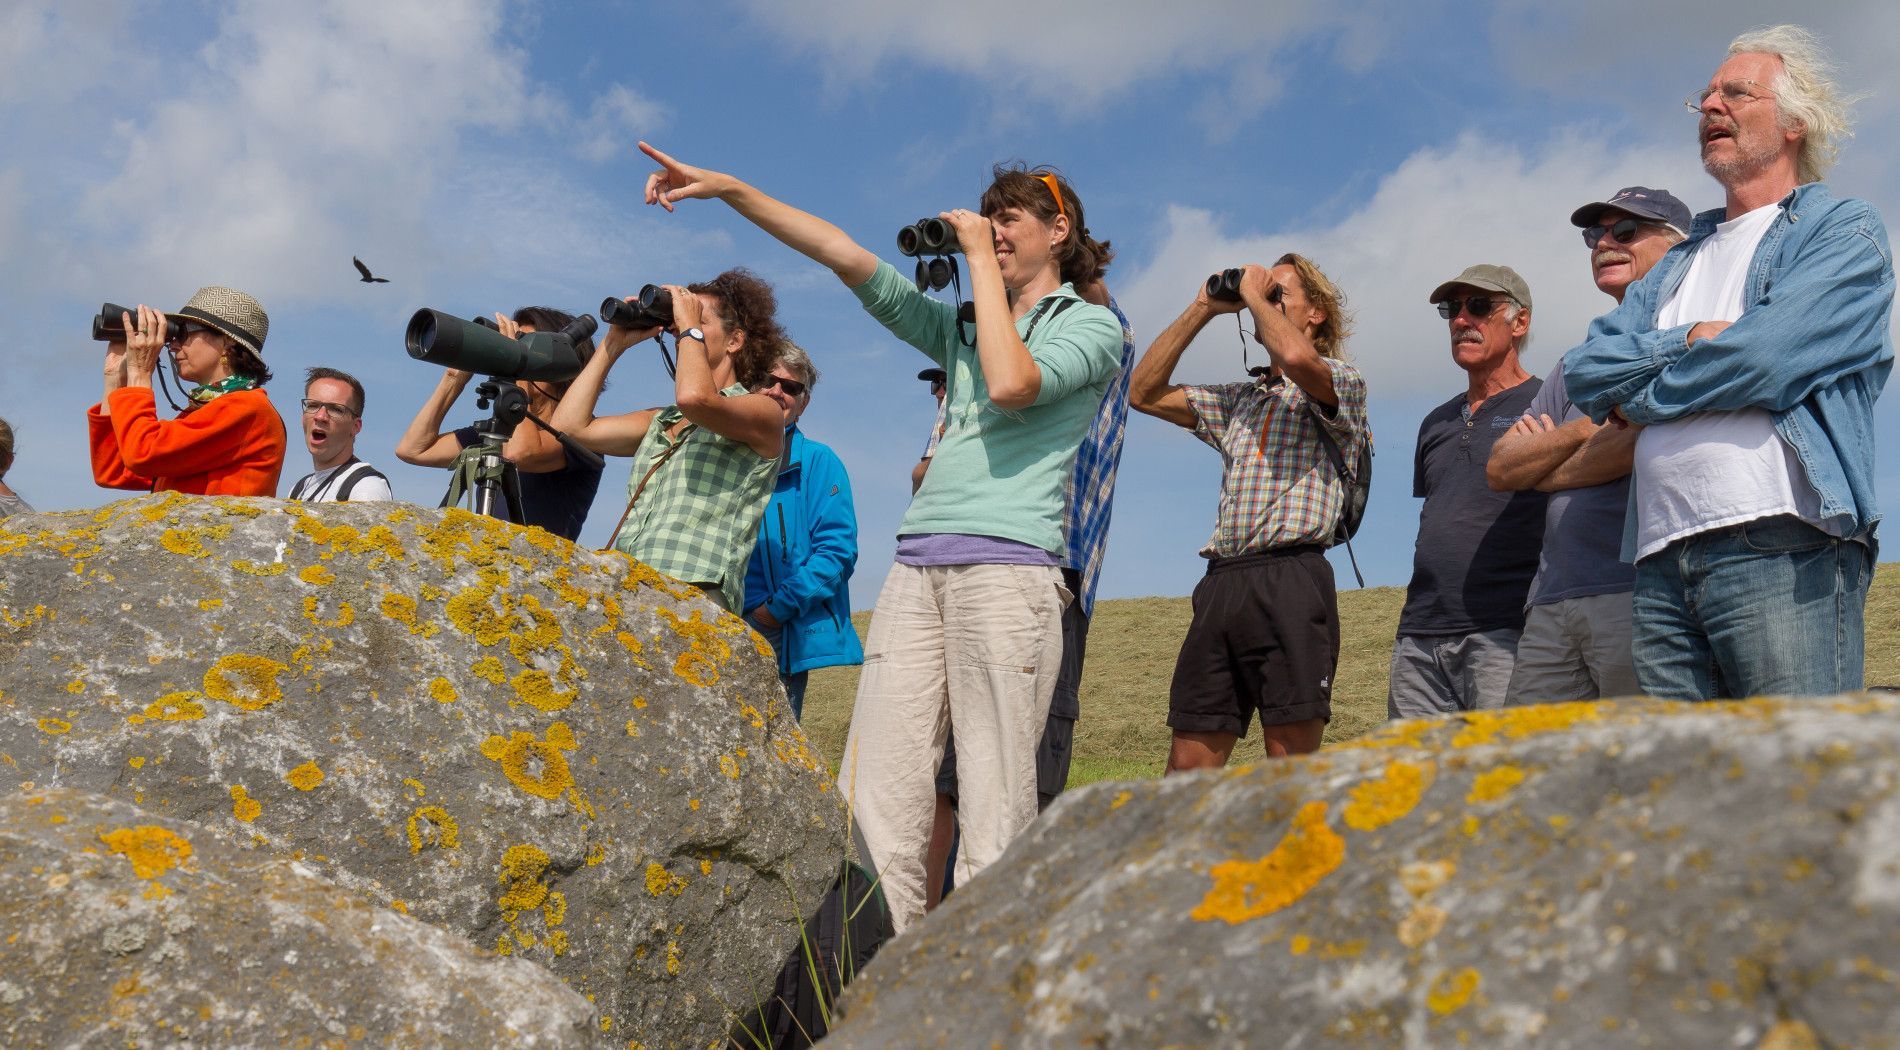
column 660, row 880
column 442, row 691
column 305, row 777
column 1451, row 990
column 316, row 575
column 345, row 613
column 1423, row 876
column 1421, row 925
column 244, row 681
column 190, row 542
column 489, row 669
column 431, row 826
column 152, row 850
column 538, row 767
column 1248, row 889
column 1494, row 784
column 55, row 726
column 1377, row 803
column 243, row 806
column 251, row 568
column 521, row 869
column 533, row 687
column 1516, row 723
column 176, row 707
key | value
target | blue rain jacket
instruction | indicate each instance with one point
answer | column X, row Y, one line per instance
column 807, row 549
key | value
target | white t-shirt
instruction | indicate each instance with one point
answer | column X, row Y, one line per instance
column 323, row 486
column 1715, row 469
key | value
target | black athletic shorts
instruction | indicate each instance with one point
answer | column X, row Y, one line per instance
column 1265, row 636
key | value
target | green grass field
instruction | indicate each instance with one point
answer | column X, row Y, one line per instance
column 1132, row 643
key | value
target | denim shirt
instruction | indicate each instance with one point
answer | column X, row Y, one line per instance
column 1813, row 346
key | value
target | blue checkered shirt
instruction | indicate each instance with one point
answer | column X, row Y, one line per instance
column 1090, row 494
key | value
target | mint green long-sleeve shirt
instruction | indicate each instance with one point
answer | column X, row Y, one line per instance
column 1000, row 472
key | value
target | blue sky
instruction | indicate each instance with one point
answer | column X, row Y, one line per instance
column 480, row 153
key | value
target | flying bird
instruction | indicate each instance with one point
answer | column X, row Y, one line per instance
column 368, row 278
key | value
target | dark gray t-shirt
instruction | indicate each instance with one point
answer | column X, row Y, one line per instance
column 1477, row 549
column 1583, row 528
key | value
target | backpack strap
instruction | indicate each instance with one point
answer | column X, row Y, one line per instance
column 1338, row 460
column 355, row 472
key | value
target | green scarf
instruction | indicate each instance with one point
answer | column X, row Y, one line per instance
column 205, row 392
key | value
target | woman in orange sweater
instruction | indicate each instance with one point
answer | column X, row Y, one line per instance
column 229, row 441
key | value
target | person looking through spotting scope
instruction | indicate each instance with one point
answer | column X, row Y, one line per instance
column 556, row 489
column 968, row 627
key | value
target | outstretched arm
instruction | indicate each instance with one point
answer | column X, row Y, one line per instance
column 802, row 231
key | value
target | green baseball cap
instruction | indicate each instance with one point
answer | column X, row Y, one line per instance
column 1488, row 278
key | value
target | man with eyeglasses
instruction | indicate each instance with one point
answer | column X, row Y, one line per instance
column 1477, row 549
column 332, row 417
column 1576, row 640
column 1752, row 356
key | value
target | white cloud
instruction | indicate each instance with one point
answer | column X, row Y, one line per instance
column 620, row 116
column 1438, row 212
column 1072, row 54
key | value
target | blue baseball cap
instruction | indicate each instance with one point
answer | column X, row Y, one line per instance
column 1642, row 202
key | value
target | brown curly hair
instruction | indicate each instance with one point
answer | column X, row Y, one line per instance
column 747, row 304
column 1083, row 258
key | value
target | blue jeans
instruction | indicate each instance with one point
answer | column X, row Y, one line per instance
column 1769, row 607
column 795, row 692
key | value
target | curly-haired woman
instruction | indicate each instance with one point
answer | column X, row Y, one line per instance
column 703, row 466
column 968, row 628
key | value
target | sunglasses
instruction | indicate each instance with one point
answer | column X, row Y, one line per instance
column 311, row 408
column 1479, row 306
column 790, row 386
column 1624, row 230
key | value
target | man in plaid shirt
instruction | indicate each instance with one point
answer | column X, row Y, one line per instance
column 1265, row 633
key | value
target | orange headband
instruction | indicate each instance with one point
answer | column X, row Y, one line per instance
column 1055, row 190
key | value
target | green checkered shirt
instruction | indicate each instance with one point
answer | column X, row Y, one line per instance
column 699, row 516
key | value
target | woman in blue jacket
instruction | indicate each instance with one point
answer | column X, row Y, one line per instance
column 797, row 590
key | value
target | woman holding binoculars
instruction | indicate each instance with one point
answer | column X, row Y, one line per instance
column 703, row 467
column 967, row 629
column 229, row 441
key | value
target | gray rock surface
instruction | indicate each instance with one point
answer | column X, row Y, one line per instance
column 125, row 929
column 558, row 754
column 1632, row 874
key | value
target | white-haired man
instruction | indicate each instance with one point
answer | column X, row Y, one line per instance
column 1753, row 354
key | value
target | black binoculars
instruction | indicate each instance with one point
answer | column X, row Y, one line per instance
column 1225, row 285
column 928, row 237
column 109, row 325
column 652, row 308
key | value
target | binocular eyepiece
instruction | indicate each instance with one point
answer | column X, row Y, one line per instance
column 1225, row 285
column 928, row 237
column 109, row 325
column 478, row 346
column 653, row 308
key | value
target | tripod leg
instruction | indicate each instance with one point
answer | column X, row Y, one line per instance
column 511, row 490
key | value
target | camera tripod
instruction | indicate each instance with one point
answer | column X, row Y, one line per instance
column 481, row 474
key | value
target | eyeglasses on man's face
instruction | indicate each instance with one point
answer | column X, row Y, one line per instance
column 1623, row 230
column 1737, row 92
column 312, row 407
column 1479, row 306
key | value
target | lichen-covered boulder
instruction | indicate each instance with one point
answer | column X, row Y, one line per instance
column 558, row 754
column 125, row 929
column 1634, row 874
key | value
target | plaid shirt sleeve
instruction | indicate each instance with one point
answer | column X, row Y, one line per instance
column 1348, row 421
column 1212, row 405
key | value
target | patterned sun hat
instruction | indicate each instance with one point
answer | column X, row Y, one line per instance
column 231, row 312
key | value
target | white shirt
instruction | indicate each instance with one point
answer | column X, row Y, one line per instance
column 1715, row 469
column 322, row 486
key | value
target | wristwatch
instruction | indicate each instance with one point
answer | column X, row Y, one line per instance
column 693, row 333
